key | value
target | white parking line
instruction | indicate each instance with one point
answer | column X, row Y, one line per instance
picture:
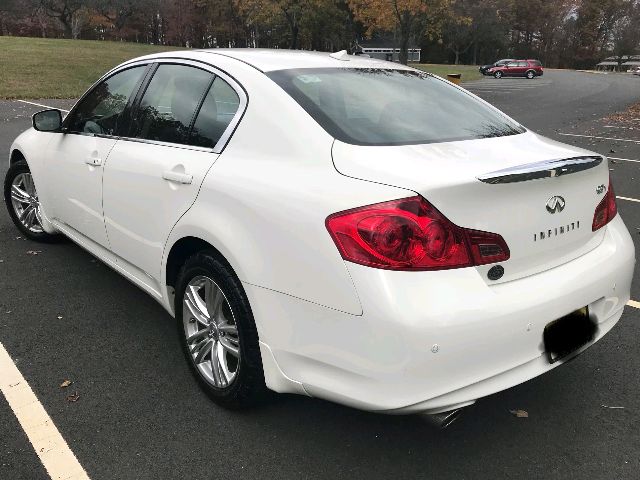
column 634, row 304
column 624, row 159
column 628, row 199
column 44, row 106
column 51, row 448
column 599, row 138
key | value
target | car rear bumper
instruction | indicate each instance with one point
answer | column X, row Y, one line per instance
column 432, row 341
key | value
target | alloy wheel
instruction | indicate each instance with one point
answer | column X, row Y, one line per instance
column 211, row 332
column 24, row 200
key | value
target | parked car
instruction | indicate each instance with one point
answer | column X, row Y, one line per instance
column 331, row 225
column 483, row 69
column 635, row 70
column 518, row 68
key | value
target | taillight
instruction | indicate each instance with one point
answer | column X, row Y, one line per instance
column 606, row 209
column 410, row 234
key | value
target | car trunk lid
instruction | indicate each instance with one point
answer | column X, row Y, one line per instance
column 538, row 194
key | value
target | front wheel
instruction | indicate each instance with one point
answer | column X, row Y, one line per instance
column 218, row 332
column 498, row 74
column 531, row 74
column 21, row 198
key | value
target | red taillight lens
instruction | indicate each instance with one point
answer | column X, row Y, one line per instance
column 410, row 234
column 606, row 209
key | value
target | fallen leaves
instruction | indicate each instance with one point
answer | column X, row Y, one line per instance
column 612, row 408
column 73, row 398
column 33, row 252
column 519, row 413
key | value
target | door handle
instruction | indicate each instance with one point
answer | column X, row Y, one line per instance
column 177, row 177
column 95, row 162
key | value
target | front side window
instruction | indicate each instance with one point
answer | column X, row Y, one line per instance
column 218, row 109
column 391, row 107
column 169, row 104
column 100, row 111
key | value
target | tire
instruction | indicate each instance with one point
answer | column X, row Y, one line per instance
column 498, row 74
column 23, row 205
column 233, row 384
column 530, row 74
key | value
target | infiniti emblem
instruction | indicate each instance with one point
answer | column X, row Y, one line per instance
column 555, row 204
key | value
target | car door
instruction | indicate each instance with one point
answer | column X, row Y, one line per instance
column 521, row 69
column 76, row 157
column 153, row 177
column 510, row 69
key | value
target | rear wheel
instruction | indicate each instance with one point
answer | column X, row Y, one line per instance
column 498, row 74
column 530, row 74
column 218, row 333
column 21, row 198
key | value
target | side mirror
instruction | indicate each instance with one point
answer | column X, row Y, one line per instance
column 47, row 120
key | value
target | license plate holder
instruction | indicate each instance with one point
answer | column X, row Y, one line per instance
column 565, row 335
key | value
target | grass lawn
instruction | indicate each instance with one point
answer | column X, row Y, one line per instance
column 52, row 68
column 469, row 72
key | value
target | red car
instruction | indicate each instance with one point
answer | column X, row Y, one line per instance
column 518, row 68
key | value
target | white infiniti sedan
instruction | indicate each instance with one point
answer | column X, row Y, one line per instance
column 332, row 226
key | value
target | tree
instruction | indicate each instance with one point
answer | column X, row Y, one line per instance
column 267, row 11
column 408, row 19
column 117, row 12
column 66, row 12
column 625, row 33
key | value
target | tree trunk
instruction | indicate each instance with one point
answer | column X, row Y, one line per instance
column 404, row 46
column 457, row 57
column 405, row 21
column 295, row 30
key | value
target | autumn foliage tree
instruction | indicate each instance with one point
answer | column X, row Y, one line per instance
column 567, row 33
column 408, row 19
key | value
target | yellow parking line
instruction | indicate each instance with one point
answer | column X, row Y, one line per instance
column 634, row 304
column 51, row 448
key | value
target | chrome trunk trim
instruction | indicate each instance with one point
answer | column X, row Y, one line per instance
column 538, row 170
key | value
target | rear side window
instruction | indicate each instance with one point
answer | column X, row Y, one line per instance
column 391, row 107
column 523, row 64
column 100, row 111
column 218, row 109
column 169, row 104
column 536, row 63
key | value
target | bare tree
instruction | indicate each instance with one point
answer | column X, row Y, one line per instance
column 64, row 11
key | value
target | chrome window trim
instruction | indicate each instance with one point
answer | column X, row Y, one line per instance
column 233, row 83
column 183, row 146
column 104, row 77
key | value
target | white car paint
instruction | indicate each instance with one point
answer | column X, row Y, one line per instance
column 381, row 340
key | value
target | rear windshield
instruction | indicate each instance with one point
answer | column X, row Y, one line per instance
column 391, row 107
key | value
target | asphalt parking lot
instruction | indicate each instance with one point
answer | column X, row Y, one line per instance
column 139, row 414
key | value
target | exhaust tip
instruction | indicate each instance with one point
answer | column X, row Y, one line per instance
column 444, row 419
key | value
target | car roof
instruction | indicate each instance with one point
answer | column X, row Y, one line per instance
column 267, row 60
